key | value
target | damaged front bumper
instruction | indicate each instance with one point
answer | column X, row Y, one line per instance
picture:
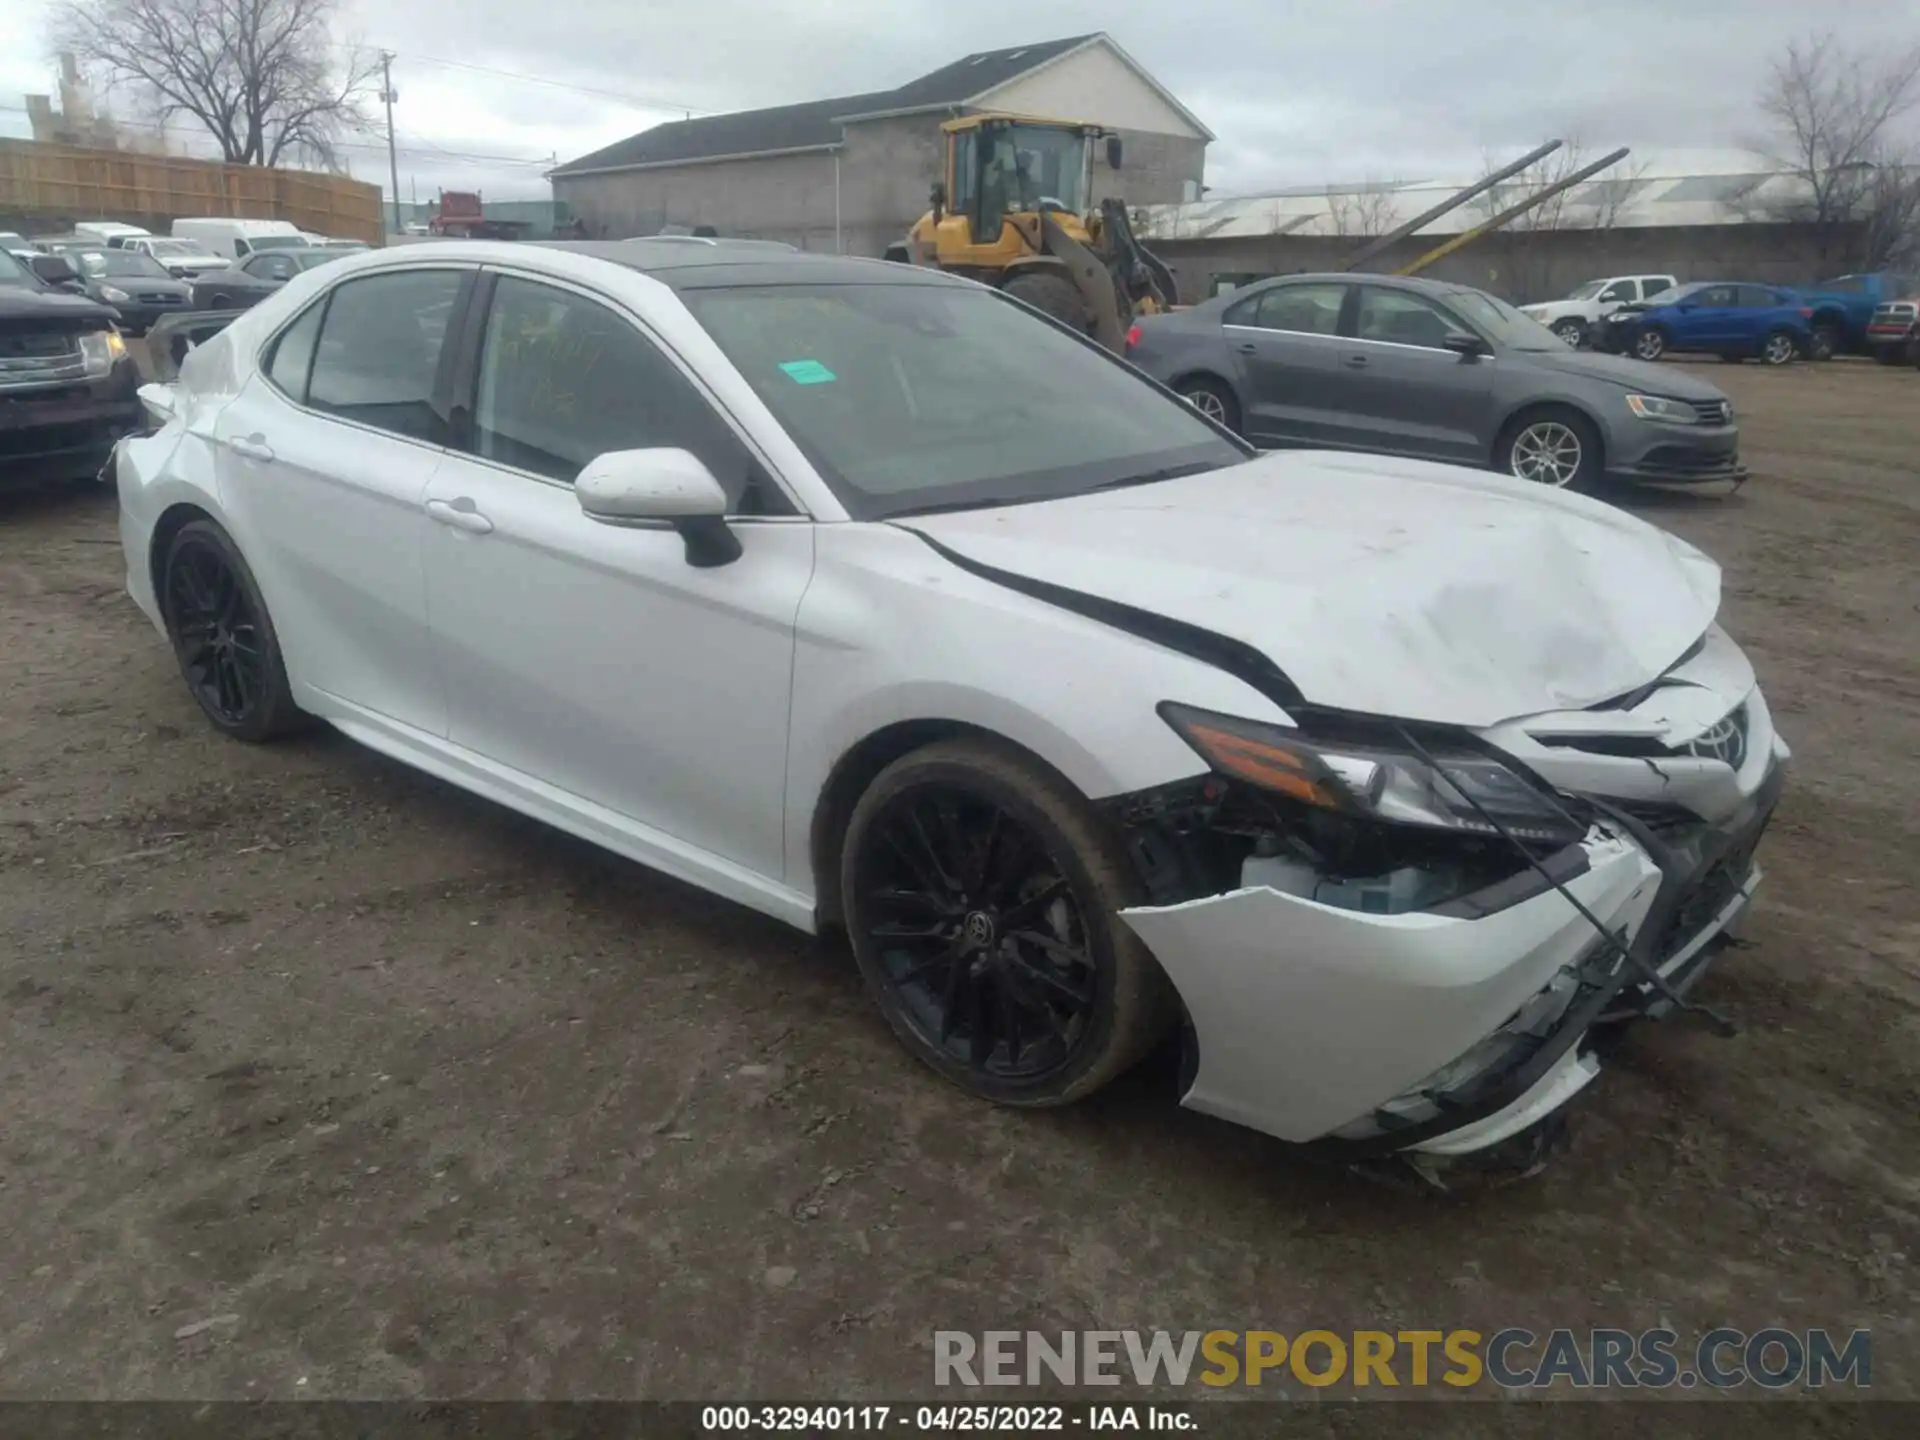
column 1450, row 1030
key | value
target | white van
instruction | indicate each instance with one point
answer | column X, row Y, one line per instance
column 237, row 239
column 110, row 233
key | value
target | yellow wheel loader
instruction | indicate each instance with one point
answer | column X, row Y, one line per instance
column 1013, row 211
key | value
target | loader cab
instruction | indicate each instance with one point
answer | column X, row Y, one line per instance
column 999, row 166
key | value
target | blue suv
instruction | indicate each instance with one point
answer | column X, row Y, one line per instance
column 1734, row 321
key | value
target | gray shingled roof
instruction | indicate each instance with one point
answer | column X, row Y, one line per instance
column 792, row 127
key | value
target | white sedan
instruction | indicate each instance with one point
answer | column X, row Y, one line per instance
column 860, row 595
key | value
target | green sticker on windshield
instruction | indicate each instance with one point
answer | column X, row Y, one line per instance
column 808, row 372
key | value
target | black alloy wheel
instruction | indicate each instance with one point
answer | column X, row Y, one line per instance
column 222, row 636
column 981, row 902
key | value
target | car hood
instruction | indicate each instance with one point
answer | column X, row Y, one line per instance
column 17, row 302
column 1390, row 587
column 1628, row 373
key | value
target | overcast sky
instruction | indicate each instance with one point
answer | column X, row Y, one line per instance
column 1305, row 92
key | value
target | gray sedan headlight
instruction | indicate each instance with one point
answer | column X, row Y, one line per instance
column 1374, row 782
column 1670, row 412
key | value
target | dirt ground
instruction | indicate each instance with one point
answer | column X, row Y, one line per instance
column 409, row 1096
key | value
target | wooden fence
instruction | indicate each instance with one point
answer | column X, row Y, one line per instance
column 46, row 187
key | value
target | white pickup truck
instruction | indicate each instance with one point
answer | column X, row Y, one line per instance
column 1574, row 318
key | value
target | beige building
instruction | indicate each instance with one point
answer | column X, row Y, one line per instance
column 850, row 174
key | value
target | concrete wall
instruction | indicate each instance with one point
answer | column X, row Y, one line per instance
column 885, row 170
column 1520, row 266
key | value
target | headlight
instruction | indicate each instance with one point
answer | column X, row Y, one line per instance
column 101, row 350
column 114, row 295
column 1672, row 412
column 1374, row 782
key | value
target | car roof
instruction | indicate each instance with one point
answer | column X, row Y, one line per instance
column 689, row 262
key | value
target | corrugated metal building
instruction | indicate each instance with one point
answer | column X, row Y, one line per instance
column 1691, row 226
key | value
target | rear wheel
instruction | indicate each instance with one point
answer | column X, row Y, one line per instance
column 982, row 900
column 223, row 637
column 1650, row 344
column 1555, row 447
column 1779, row 348
column 1572, row 333
column 1212, row 398
column 1051, row 294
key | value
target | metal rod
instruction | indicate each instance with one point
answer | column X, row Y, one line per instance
column 1440, row 252
column 1453, row 202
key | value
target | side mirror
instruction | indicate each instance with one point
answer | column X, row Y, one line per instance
column 1113, row 152
column 1464, row 345
column 645, row 489
column 54, row 269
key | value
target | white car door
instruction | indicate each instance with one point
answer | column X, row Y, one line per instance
column 325, row 459
column 596, row 659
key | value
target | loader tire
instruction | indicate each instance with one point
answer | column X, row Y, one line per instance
column 1054, row 295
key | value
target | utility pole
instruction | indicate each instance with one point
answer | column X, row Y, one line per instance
column 393, row 155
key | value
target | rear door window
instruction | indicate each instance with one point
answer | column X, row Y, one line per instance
column 1296, row 309
column 381, row 348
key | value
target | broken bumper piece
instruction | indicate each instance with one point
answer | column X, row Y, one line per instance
column 1444, row 1032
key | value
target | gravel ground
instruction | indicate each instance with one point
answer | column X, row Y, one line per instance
column 324, row 1079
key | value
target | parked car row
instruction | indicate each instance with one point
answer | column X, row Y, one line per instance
column 883, row 603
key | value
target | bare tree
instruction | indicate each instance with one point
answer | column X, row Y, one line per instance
column 1837, row 121
column 1531, row 264
column 1364, row 210
column 262, row 76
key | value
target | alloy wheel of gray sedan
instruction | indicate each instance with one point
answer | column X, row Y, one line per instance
column 1651, row 345
column 1547, row 452
column 1209, row 405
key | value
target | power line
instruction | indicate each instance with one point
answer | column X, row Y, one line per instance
column 641, row 101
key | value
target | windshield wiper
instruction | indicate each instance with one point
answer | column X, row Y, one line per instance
column 1150, row 477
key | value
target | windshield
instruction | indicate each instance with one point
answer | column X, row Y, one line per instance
column 913, row 397
column 181, row 247
column 1845, row 284
column 1588, row 290
column 124, row 263
column 277, row 242
column 1031, row 163
column 1503, row 324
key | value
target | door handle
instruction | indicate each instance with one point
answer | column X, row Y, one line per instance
column 1249, row 349
column 1355, row 362
column 251, row 447
column 460, row 514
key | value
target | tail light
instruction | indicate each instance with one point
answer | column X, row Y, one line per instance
column 1806, row 313
column 1133, row 337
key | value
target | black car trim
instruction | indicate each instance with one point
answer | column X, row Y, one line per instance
column 1223, row 652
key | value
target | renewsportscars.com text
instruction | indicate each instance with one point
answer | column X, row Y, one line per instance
column 1513, row 1358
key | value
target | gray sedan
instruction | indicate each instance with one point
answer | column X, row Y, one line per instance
column 1444, row 372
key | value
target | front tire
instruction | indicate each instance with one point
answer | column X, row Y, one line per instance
column 1572, row 333
column 1554, row 447
column 223, row 637
column 1212, row 398
column 1650, row 345
column 1825, row 342
column 982, row 898
column 1052, row 294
